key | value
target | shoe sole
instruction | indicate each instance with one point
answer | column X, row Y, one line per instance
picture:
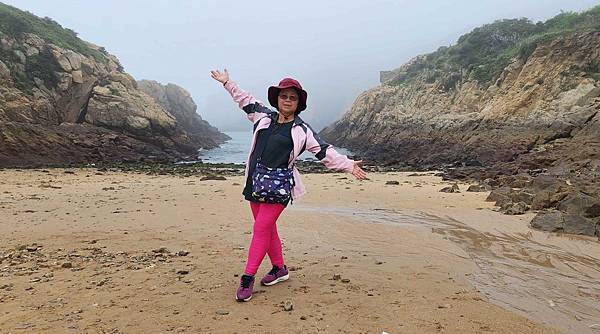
column 280, row 279
column 243, row 300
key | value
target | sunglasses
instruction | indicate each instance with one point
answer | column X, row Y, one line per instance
column 288, row 97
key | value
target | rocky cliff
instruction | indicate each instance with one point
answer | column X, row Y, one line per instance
column 63, row 100
column 179, row 103
column 510, row 102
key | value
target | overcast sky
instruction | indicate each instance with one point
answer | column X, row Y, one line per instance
column 335, row 48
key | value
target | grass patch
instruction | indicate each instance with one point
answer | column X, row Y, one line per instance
column 15, row 22
column 484, row 52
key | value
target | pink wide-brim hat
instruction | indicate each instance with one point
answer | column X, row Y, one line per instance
column 288, row 83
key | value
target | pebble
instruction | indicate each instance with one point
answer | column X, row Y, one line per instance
column 67, row 265
column 345, row 280
column 288, row 306
column 222, row 312
column 337, row 277
column 183, row 271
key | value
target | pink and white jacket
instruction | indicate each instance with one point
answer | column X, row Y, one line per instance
column 303, row 137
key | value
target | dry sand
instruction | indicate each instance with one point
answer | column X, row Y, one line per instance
column 100, row 253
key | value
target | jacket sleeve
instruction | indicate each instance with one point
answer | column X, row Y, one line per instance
column 326, row 153
column 254, row 109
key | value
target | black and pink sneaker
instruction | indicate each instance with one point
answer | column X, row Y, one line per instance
column 275, row 276
column 244, row 292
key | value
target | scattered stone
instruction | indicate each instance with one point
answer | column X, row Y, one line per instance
column 161, row 250
column 476, row 189
column 345, row 280
column 183, row 271
column 222, row 312
column 213, row 178
column 516, row 208
column 337, row 277
column 378, row 262
column 67, row 265
column 393, row 183
column 183, row 253
column 288, row 306
column 452, row 189
column 302, row 318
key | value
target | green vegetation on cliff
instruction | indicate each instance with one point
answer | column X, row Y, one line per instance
column 15, row 22
column 486, row 51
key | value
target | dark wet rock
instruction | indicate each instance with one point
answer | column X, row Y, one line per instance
column 549, row 220
column 580, row 203
column 183, row 253
column 576, row 224
column 557, row 221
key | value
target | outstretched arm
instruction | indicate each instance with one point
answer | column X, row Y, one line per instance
column 254, row 109
column 330, row 157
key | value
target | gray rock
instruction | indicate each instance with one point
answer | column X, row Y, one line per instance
column 522, row 196
column 4, row 71
column 77, row 77
column 452, row 189
column 516, row 208
column 74, row 59
column 501, row 196
column 476, row 188
column 580, row 203
column 20, row 55
column 576, row 224
column 549, row 220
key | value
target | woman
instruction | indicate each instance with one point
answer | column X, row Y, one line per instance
column 278, row 139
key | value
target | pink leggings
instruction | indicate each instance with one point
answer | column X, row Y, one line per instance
column 265, row 239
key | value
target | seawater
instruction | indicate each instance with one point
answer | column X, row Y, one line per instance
column 236, row 150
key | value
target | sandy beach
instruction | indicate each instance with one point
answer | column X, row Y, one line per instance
column 84, row 251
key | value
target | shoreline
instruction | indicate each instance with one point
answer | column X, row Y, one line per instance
column 101, row 252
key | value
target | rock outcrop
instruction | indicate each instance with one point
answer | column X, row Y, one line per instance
column 179, row 103
column 63, row 100
column 538, row 117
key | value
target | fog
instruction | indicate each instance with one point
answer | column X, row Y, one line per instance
column 334, row 48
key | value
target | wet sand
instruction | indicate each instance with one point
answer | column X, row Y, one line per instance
column 107, row 252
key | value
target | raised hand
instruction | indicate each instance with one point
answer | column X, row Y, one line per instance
column 221, row 77
column 358, row 172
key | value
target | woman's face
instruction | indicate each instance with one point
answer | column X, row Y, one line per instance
column 288, row 101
